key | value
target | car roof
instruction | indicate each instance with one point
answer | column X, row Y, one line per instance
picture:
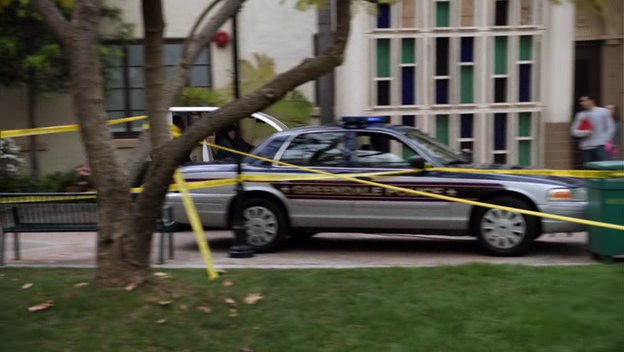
column 340, row 128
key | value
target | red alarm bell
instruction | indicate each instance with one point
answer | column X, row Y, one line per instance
column 222, row 39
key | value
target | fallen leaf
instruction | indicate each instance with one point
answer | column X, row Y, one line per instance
column 41, row 306
column 176, row 295
column 204, row 309
column 221, row 271
column 161, row 321
column 165, row 303
column 131, row 286
column 233, row 312
column 230, row 302
column 227, row 283
column 253, row 298
column 81, row 284
column 27, row 286
column 183, row 306
column 247, row 349
column 162, row 275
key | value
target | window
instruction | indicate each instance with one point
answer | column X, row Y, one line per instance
column 316, row 149
column 381, row 150
column 447, row 67
column 125, row 94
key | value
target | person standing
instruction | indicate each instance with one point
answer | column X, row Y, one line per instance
column 594, row 126
column 614, row 147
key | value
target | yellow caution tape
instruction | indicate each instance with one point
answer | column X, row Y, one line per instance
column 537, row 172
column 39, row 199
column 60, row 129
column 432, row 195
column 197, row 226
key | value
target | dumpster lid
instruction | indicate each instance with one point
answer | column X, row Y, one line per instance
column 605, row 165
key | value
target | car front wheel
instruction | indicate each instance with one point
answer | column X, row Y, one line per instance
column 264, row 224
column 505, row 233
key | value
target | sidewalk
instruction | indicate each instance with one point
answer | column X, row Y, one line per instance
column 322, row 251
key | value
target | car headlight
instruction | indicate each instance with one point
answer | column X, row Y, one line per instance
column 568, row 194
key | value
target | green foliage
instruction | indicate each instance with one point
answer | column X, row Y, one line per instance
column 293, row 110
column 450, row 308
column 197, row 96
column 56, row 182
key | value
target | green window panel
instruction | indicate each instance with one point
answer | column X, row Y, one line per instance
column 524, row 124
column 500, row 55
column 467, row 77
column 408, row 51
column 443, row 9
column 526, row 47
column 383, row 57
column 524, row 153
column 442, row 129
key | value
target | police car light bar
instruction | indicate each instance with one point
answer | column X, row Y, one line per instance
column 364, row 120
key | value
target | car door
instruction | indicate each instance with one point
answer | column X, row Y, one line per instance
column 389, row 209
column 319, row 203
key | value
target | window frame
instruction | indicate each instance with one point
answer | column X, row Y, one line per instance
column 127, row 89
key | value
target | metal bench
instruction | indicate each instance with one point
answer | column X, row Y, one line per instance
column 62, row 212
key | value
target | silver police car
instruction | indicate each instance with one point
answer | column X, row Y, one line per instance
column 274, row 210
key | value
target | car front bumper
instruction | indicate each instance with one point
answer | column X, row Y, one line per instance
column 570, row 209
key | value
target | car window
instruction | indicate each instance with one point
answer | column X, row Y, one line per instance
column 316, row 149
column 268, row 149
column 382, row 150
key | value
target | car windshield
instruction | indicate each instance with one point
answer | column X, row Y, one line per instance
column 434, row 148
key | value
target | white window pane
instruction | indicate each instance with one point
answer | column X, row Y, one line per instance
column 115, row 99
column 137, row 99
column 173, row 52
column 135, row 55
column 136, row 77
column 114, row 77
column 199, row 76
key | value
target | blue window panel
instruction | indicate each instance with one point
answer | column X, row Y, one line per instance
column 467, row 123
column 500, row 131
column 383, row 16
column 467, row 49
column 442, row 90
column 383, row 93
column 525, row 83
column 407, row 86
column 409, row 120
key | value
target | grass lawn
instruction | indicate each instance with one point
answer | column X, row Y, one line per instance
column 462, row 308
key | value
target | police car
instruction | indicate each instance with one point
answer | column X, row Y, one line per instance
column 272, row 210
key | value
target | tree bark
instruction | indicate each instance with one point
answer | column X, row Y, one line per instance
column 121, row 257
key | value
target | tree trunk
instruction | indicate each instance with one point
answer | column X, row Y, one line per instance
column 122, row 259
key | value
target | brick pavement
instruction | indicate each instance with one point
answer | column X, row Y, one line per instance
column 324, row 250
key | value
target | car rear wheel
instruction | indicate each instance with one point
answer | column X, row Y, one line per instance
column 264, row 224
column 505, row 233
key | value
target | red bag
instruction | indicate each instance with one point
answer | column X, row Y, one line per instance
column 585, row 125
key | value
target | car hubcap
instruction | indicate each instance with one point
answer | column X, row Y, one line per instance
column 260, row 225
column 503, row 229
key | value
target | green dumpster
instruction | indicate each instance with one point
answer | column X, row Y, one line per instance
column 606, row 203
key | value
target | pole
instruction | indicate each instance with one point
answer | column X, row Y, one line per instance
column 240, row 248
column 235, row 64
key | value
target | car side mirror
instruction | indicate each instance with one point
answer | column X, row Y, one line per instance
column 467, row 155
column 417, row 162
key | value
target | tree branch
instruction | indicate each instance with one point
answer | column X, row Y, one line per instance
column 194, row 44
column 154, row 26
column 171, row 155
column 54, row 18
column 199, row 20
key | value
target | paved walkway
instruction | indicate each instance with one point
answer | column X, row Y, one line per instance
column 324, row 250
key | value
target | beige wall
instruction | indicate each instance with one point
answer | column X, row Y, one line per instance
column 58, row 152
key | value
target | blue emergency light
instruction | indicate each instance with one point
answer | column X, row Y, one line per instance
column 360, row 121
